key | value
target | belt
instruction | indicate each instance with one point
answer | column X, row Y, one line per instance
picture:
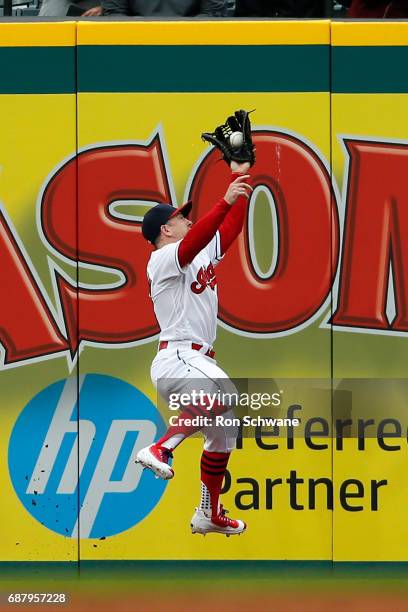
column 196, row 347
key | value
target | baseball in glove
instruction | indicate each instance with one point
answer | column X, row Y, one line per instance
column 233, row 138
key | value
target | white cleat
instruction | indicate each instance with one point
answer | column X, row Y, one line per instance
column 201, row 523
column 156, row 459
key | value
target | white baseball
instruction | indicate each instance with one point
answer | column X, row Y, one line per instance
column 236, row 139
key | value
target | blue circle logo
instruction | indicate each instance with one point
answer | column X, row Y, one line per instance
column 72, row 456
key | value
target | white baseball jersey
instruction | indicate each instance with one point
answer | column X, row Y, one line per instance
column 185, row 299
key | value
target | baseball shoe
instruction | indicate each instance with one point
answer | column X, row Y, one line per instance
column 156, row 458
column 201, row 523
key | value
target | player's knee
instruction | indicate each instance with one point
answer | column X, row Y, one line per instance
column 222, row 437
column 220, row 444
column 231, row 443
column 231, row 438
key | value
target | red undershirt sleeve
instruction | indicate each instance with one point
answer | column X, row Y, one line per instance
column 202, row 232
column 233, row 222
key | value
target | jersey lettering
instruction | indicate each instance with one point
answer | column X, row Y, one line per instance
column 205, row 278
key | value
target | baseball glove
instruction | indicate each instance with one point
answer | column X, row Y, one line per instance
column 236, row 148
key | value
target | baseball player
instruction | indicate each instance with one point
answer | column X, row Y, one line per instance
column 183, row 287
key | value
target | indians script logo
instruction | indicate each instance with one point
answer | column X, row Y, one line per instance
column 75, row 472
column 340, row 261
column 205, row 278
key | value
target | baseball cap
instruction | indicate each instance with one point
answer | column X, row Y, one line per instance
column 159, row 215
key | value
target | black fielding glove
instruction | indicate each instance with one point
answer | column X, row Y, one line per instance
column 238, row 123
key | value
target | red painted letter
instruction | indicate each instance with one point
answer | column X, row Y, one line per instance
column 375, row 234
column 105, row 175
column 27, row 328
column 308, row 237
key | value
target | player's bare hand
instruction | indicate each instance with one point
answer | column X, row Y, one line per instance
column 238, row 188
column 96, row 11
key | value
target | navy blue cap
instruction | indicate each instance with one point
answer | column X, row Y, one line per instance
column 159, row 215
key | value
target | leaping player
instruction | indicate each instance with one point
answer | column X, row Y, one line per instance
column 184, row 293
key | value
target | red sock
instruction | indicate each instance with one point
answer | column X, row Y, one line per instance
column 213, row 466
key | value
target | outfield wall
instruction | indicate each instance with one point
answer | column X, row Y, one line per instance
column 99, row 120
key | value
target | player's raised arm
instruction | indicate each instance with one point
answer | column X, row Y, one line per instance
column 234, row 140
column 233, row 223
column 204, row 230
column 163, row 224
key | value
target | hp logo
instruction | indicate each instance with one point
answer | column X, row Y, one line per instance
column 72, row 456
